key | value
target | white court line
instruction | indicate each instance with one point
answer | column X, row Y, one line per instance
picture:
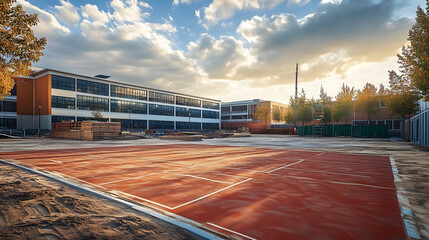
column 55, row 161
column 140, row 198
column 346, row 174
column 208, row 195
column 320, row 154
column 208, row 179
column 229, row 230
column 77, row 179
column 284, row 166
column 124, row 179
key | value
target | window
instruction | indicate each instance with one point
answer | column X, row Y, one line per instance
column 396, row 124
column 131, row 124
column 7, row 106
column 56, row 118
column 239, row 117
column 161, row 124
column 155, row 109
column 188, row 101
column 127, row 106
column 161, row 97
column 81, row 119
column 225, row 109
column 211, row 126
column 242, row 108
column 226, row 118
column 64, row 83
column 185, row 112
column 63, row 102
column 92, row 103
column 92, row 87
column 125, row 92
column 211, row 105
column 8, row 123
column 188, row 125
column 210, row 114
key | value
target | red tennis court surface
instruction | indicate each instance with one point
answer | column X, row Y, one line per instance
column 252, row 193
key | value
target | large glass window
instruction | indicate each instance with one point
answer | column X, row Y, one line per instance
column 161, row 97
column 56, row 118
column 242, row 108
column 225, row 109
column 131, row 123
column 126, row 92
column 161, row 124
column 210, row 114
column 188, row 125
column 7, row 106
column 188, row 101
column 127, row 106
column 63, row 102
column 92, row 87
column 81, row 119
column 64, row 83
column 155, row 109
column 211, row 105
column 92, row 103
column 8, row 123
column 211, row 126
column 186, row 112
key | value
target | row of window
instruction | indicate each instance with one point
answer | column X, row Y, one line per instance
column 142, row 124
column 102, row 104
column 7, row 106
column 9, row 123
column 127, row 106
column 66, row 83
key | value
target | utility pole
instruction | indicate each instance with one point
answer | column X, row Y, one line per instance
column 296, row 82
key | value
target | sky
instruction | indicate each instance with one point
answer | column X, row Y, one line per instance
column 227, row 49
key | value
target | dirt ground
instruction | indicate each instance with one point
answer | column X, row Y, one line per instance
column 33, row 207
column 113, row 220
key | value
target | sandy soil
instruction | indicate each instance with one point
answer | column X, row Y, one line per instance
column 33, row 207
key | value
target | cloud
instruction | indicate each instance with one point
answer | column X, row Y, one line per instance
column 219, row 58
column 326, row 43
column 177, row 2
column 97, row 16
column 48, row 22
column 67, row 13
column 224, row 9
column 128, row 11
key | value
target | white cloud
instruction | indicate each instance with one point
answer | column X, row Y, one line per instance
column 128, row 11
column 177, row 2
column 224, row 9
column 91, row 11
column 67, row 13
column 197, row 13
column 330, row 1
column 49, row 23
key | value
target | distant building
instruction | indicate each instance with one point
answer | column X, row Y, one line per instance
column 54, row 96
column 8, row 110
column 420, row 126
column 242, row 114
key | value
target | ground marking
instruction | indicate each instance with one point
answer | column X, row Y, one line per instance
column 229, row 230
column 346, row 174
column 285, row 166
column 55, row 161
column 129, row 178
column 140, row 198
column 320, row 154
column 208, row 195
column 208, row 179
column 77, row 179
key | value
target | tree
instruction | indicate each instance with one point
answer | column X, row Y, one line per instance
column 368, row 100
column 97, row 115
column 414, row 60
column 288, row 117
column 19, row 47
column 403, row 97
column 277, row 114
column 302, row 108
column 326, row 102
column 343, row 105
column 263, row 112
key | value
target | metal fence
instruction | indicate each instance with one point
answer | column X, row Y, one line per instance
column 419, row 128
column 344, row 130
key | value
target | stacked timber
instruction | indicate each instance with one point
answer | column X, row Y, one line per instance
column 88, row 130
